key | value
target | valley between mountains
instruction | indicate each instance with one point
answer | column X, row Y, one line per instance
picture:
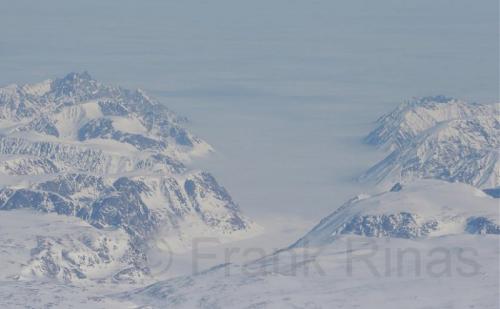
column 94, row 177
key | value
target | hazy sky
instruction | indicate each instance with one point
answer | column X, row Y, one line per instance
column 282, row 89
column 254, row 47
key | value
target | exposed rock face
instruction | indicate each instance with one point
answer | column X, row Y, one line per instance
column 402, row 225
column 482, row 225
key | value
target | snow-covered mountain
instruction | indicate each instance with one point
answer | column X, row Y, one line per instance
column 399, row 127
column 441, row 138
column 424, row 208
column 77, row 111
column 111, row 158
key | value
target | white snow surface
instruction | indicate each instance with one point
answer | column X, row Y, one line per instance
column 38, row 246
column 320, row 277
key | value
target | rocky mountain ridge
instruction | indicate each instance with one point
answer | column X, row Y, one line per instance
column 113, row 158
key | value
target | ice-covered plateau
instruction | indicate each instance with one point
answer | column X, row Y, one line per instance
column 114, row 160
column 440, row 138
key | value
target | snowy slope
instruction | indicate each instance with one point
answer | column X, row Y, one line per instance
column 424, row 208
column 48, row 246
column 297, row 278
column 399, row 127
column 112, row 158
column 320, row 278
column 442, row 139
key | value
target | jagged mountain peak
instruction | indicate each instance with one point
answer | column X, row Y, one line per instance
column 427, row 102
column 75, row 79
column 73, row 83
column 84, row 75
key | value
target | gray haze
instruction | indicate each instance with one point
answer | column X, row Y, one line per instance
column 282, row 89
